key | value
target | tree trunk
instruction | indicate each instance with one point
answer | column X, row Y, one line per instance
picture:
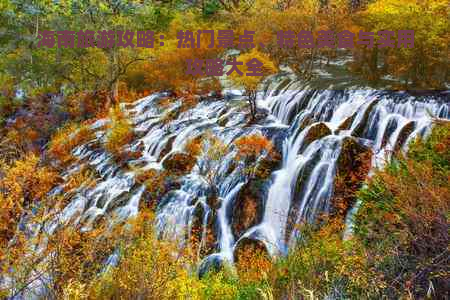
column 373, row 65
column 115, row 92
column 108, row 102
column 252, row 101
column 115, row 82
column 113, row 85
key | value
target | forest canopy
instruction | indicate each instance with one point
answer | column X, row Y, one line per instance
column 112, row 133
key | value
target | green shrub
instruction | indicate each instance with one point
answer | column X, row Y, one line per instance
column 403, row 219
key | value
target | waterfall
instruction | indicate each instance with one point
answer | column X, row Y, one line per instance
column 313, row 125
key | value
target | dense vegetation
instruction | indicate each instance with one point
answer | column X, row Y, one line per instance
column 399, row 247
column 120, row 73
column 48, row 97
column 84, row 89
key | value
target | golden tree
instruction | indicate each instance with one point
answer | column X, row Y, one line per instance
column 251, row 83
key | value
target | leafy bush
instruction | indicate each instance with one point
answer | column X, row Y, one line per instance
column 259, row 154
column 212, row 150
column 435, row 149
column 403, row 219
column 151, row 266
column 23, row 184
column 120, row 132
column 250, row 147
column 322, row 265
column 67, row 138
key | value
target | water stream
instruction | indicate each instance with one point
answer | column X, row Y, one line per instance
column 299, row 188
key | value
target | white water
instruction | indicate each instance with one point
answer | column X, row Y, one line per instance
column 378, row 119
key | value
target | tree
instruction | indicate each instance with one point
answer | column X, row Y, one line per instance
column 236, row 5
column 250, row 83
column 424, row 65
column 212, row 150
column 170, row 60
column 74, row 70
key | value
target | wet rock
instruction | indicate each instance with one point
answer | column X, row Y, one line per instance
column 160, row 188
column 300, row 105
column 353, row 165
column 390, row 129
column 165, row 199
column 231, row 167
column 210, row 244
column 197, row 218
column 347, row 123
column 300, row 189
column 224, row 111
column 308, row 120
column 277, row 135
column 315, row 132
column 179, row 163
column 213, row 201
column 94, row 145
column 204, row 244
column 361, row 128
column 371, row 131
column 167, row 148
column 248, row 207
column 140, row 147
column 267, row 165
column 222, row 121
column 249, row 245
column 172, row 183
column 119, row 201
column 281, row 86
column 350, row 150
column 211, row 240
column 405, row 132
column 100, row 201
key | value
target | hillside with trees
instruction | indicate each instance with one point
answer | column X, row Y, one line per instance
column 125, row 176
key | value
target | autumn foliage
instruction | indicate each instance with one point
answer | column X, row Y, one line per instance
column 251, row 83
column 66, row 139
column 404, row 213
column 23, row 185
column 399, row 245
column 252, row 146
column 119, row 133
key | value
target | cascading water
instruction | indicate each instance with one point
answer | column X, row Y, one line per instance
column 380, row 120
column 310, row 126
